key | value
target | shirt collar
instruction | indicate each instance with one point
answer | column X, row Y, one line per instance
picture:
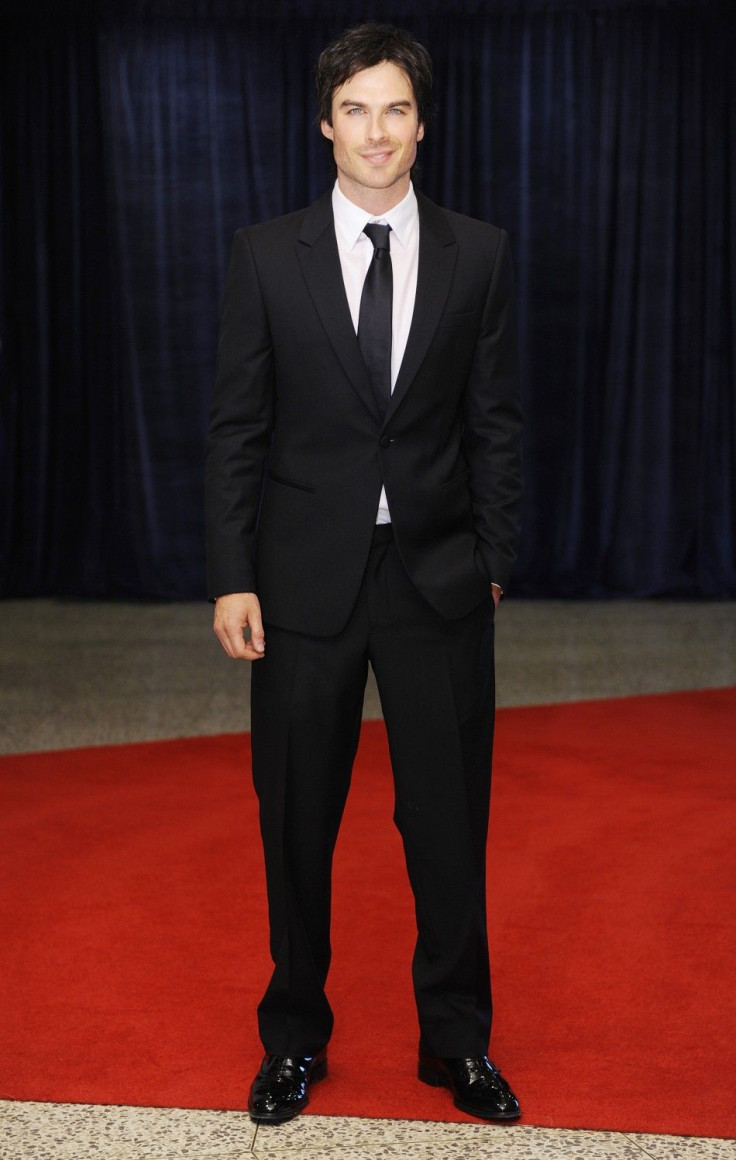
column 350, row 218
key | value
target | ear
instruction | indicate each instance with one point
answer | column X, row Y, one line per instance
column 327, row 130
column 420, row 131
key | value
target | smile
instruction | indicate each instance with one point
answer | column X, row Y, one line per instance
column 378, row 158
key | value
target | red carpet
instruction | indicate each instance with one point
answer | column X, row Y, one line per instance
column 134, row 943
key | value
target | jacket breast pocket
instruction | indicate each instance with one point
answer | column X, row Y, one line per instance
column 460, row 319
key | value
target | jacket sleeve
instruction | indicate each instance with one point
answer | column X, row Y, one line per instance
column 241, row 420
column 493, row 425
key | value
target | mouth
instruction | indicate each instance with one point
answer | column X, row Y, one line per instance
column 378, row 157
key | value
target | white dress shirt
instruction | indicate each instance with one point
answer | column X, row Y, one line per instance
column 356, row 252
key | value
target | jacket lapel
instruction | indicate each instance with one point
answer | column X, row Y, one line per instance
column 320, row 263
column 437, row 258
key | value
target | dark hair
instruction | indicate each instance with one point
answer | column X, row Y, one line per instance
column 364, row 47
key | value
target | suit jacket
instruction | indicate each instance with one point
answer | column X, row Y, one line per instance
column 297, row 451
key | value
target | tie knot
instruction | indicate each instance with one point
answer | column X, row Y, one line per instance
column 378, row 234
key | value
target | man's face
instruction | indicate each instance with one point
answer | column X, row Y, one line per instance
column 374, row 131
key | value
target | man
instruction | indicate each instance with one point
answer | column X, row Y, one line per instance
column 364, row 486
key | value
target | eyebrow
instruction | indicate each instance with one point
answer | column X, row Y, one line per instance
column 404, row 104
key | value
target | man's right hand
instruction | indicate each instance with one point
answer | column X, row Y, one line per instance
column 233, row 614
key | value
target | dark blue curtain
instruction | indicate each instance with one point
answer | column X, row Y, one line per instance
column 137, row 137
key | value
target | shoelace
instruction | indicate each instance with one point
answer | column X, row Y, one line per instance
column 486, row 1073
column 288, row 1069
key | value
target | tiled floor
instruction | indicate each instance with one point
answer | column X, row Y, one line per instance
column 84, row 674
column 84, row 1132
column 91, row 674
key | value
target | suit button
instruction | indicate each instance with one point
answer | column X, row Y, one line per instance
column 385, row 441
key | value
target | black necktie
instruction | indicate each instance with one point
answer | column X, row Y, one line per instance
column 374, row 320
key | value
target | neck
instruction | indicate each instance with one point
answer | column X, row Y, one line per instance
column 376, row 202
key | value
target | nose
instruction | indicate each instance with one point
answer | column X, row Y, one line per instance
column 375, row 129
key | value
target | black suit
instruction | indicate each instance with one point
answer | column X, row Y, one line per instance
column 297, row 457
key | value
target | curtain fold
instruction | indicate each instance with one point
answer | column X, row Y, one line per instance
column 137, row 137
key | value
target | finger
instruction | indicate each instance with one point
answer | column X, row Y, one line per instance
column 236, row 646
column 250, row 654
column 240, row 649
column 257, row 636
column 230, row 646
column 230, row 634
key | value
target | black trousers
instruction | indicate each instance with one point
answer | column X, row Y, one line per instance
column 435, row 679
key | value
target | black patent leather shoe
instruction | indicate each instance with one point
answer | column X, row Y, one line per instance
column 477, row 1086
column 280, row 1090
